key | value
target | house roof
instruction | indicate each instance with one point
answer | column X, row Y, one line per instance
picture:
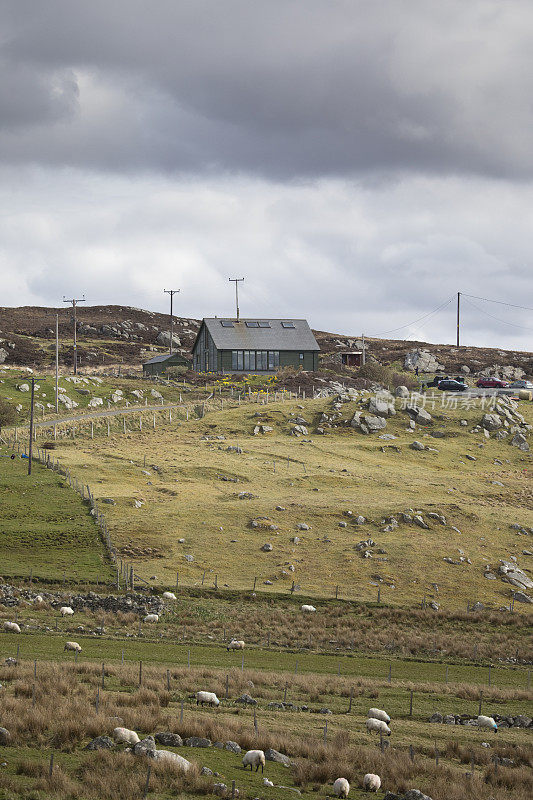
column 270, row 334
column 164, row 357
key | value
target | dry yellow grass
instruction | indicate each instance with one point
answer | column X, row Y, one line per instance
column 316, row 482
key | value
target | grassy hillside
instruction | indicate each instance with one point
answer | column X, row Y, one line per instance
column 190, row 487
column 45, row 528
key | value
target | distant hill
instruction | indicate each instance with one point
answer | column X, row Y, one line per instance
column 125, row 335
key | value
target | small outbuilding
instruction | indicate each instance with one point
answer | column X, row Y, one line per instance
column 159, row 364
column 254, row 345
column 352, row 358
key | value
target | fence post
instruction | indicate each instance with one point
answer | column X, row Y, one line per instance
column 51, row 765
column 351, row 698
column 411, row 704
column 140, row 672
column 480, row 701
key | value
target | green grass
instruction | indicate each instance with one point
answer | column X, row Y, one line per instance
column 45, row 528
column 50, row 646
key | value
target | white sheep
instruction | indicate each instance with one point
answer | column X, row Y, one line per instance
column 308, row 608
column 12, row 626
column 72, row 646
column 377, row 713
column 66, row 611
column 169, row 596
column 378, row 726
column 168, row 755
column 266, row 782
column 125, row 736
column 151, row 618
column 235, row 644
column 341, row 787
column 254, row 758
column 38, row 599
column 207, row 697
column 371, row 782
column 487, row 722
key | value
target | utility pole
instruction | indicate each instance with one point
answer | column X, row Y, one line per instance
column 57, row 363
column 74, row 303
column 236, row 281
column 171, row 292
column 458, row 312
column 363, row 355
column 30, row 447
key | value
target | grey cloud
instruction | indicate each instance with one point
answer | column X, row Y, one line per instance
column 329, row 251
column 280, row 89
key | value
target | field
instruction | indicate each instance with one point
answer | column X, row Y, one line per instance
column 180, row 482
column 45, row 528
column 374, row 639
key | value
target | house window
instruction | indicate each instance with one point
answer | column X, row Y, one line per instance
column 262, row 360
column 273, row 359
column 301, row 356
column 249, row 359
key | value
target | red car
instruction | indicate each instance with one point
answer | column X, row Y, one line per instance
column 491, row 383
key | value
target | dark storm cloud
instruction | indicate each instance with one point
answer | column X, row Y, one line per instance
column 280, row 89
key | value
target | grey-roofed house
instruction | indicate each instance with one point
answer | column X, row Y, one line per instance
column 159, row 364
column 254, row 345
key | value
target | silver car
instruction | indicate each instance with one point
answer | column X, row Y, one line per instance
column 521, row 385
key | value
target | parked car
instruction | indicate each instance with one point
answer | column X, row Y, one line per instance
column 521, row 385
column 451, row 385
column 491, row 383
column 435, row 381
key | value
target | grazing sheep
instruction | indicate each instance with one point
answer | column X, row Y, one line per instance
column 66, row 611
column 308, row 608
column 371, row 782
column 378, row 726
column 341, row 787
column 11, row 626
column 169, row 596
column 377, row 713
column 207, row 697
column 38, row 599
column 125, row 736
column 235, row 644
column 487, row 722
column 254, row 758
column 72, row 646
column 151, row 618
column 174, row 758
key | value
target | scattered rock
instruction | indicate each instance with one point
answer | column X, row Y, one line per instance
column 168, row 739
column 279, row 758
column 101, row 743
column 197, row 741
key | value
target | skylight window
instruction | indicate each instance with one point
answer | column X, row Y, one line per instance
column 288, row 325
column 252, row 324
column 226, row 323
column 264, row 324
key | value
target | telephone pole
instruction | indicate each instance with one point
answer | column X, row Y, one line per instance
column 171, row 292
column 57, row 363
column 458, row 313
column 236, row 281
column 74, row 303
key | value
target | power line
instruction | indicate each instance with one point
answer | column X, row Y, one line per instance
column 425, row 316
column 500, row 302
column 504, row 322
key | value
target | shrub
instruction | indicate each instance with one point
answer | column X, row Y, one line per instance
column 8, row 414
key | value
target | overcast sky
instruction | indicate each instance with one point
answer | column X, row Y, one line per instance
column 357, row 161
